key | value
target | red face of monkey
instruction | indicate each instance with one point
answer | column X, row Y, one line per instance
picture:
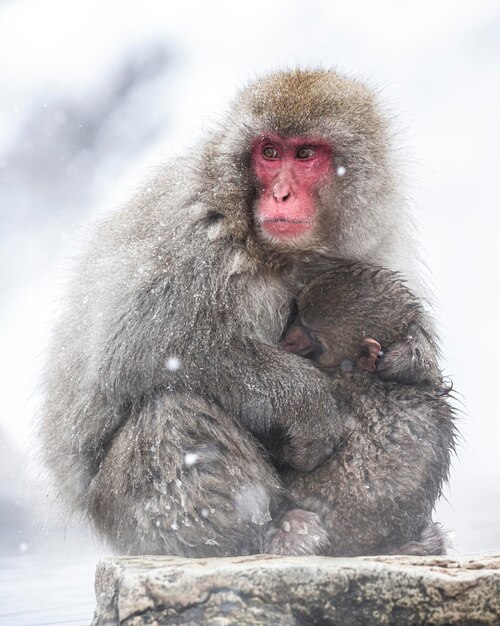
column 289, row 171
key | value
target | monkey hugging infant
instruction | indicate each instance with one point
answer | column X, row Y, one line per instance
column 200, row 269
column 343, row 318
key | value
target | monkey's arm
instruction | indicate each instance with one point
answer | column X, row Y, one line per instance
column 264, row 388
column 192, row 330
column 414, row 359
column 269, row 389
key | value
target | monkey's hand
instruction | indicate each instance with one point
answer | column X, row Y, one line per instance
column 413, row 360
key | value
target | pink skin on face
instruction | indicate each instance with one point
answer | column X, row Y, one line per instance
column 289, row 171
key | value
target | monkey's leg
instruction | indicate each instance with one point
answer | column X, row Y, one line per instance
column 182, row 478
column 376, row 493
column 361, row 517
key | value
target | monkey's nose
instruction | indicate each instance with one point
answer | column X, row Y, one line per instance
column 281, row 192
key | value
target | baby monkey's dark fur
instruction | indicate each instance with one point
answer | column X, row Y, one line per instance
column 380, row 486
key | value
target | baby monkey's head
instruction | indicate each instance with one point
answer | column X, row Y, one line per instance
column 348, row 314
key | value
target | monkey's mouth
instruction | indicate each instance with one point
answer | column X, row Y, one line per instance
column 285, row 226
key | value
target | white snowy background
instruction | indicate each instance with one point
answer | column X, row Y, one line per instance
column 94, row 94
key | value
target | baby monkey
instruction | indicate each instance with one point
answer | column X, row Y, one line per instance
column 377, row 491
column 349, row 314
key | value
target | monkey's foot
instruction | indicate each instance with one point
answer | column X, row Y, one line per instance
column 299, row 533
column 432, row 541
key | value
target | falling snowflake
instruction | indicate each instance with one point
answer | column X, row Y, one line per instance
column 190, row 458
column 173, row 364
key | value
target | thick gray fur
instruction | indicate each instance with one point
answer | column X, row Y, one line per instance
column 166, row 460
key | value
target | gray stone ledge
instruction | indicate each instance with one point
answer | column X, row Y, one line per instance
column 263, row 589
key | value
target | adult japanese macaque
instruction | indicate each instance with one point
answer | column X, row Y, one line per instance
column 380, row 486
column 166, row 377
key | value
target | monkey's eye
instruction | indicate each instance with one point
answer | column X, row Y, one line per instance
column 305, row 153
column 268, row 152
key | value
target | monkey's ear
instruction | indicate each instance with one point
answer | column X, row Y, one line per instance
column 370, row 351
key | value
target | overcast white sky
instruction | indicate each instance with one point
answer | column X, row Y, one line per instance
column 438, row 64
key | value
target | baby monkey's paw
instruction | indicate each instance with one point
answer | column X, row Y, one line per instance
column 408, row 362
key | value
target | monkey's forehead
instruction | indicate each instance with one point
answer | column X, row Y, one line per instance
column 302, row 102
